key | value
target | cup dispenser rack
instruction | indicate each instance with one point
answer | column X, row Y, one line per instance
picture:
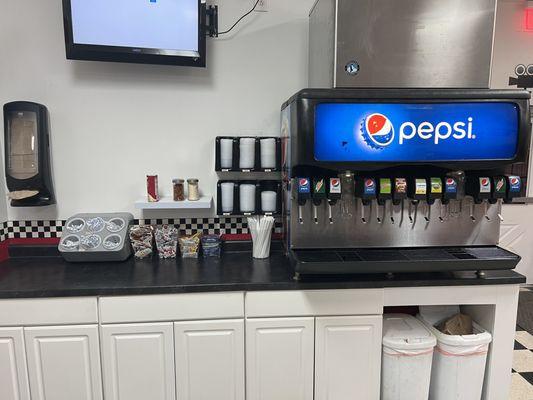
column 247, row 154
column 249, row 197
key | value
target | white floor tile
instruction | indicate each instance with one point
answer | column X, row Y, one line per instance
column 523, row 361
column 520, row 388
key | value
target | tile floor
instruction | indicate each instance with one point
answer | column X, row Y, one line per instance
column 522, row 372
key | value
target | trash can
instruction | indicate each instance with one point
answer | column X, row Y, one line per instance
column 407, row 357
column 459, row 364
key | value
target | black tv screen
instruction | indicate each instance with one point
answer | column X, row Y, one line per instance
column 136, row 31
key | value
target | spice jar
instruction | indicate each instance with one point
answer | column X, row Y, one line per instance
column 178, row 189
column 194, row 192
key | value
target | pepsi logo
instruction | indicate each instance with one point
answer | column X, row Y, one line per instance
column 485, row 181
column 515, row 180
column 304, row 182
column 378, row 131
column 450, row 182
column 369, row 183
column 335, row 182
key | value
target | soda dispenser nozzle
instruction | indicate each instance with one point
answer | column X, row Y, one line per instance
column 384, row 194
column 434, row 193
column 399, row 194
column 303, row 195
column 499, row 193
column 319, row 194
column 334, row 195
column 418, row 192
column 366, row 190
column 480, row 189
column 451, row 186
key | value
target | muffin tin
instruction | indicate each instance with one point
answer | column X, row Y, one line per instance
column 96, row 237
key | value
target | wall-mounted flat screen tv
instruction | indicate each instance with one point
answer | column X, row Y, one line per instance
column 136, row 31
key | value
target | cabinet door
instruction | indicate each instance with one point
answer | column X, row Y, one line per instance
column 13, row 372
column 348, row 358
column 210, row 360
column 64, row 362
column 279, row 358
column 138, row 361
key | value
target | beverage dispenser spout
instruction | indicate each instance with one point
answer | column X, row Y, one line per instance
column 334, row 195
column 418, row 193
column 366, row 190
column 319, row 194
column 435, row 192
column 480, row 189
column 399, row 194
column 384, row 194
column 498, row 193
column 450, row 193
column 304, row 194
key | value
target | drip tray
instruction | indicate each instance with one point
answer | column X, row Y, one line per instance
column 352, row 261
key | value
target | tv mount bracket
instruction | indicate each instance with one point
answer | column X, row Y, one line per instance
column 211, row 24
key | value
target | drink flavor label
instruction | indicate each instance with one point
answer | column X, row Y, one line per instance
column 400, row 185
column 451, row 186
column 421, row 186
column 335, row 186
column 499, row 185
column 515, row 184
column 319, row 186
column 370, row 187
column 385, row 186
column 436, row 185
column 484, row 185
column 304, row 186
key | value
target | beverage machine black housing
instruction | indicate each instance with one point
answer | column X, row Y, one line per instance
column 424, row 173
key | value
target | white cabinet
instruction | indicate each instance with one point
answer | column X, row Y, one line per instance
column 13, row 375
column 210, row 360
column 280, row 358
column 138, row 361
column 64, row 362
column 348, row 358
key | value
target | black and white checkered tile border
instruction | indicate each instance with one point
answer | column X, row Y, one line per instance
column 53, row 229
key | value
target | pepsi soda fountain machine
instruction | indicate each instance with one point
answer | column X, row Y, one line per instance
column 403, row 180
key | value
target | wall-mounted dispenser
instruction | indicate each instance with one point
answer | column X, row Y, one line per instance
column 27, row 154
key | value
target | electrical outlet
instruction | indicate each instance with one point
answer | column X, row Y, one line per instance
column 262, row 6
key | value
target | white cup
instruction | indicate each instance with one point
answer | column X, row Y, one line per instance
column 247, row 153
column 268, row 201
column 227, row 190
column 226, row 153
column 268, row 153
column 247, row 197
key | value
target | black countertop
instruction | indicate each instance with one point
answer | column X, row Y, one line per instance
column 51, row 276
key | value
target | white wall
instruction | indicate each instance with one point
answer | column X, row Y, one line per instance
column 114, row 123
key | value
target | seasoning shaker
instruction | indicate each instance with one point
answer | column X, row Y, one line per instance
column 194, row 191
column 178, row 189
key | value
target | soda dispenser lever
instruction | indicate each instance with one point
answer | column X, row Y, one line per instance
column 418, row 193
column 499, row 192
column 399, row 194
column 480, row 190
column 435, row 192
column 450, row 193
column 334, row 195
column 304, row 194
column 319, row 194
column 366, row 190
column 384, row 194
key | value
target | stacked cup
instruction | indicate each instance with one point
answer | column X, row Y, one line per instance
column 226, row 153
column 268, row 153
column 247, row 153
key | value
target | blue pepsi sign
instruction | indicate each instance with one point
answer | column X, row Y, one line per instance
column 421, row 132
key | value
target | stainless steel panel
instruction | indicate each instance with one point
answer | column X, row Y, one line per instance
column 322, row 44
column 350, row 232
column 415, row 43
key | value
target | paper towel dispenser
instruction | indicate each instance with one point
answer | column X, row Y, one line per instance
column 27, row 154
